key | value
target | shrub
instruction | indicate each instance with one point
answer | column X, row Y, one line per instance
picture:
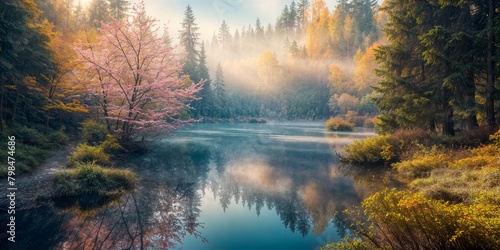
column 404, row 220
column 59, row 137
column 86, row 154
column 27, row 158
column 92, row 132
column 495, row 138
column 30, row 136
column 257, row 120
column 90, row 178
column 338, row 124
column 372, row 150
column 110, row 145
column 370, row 122
column 421, row 166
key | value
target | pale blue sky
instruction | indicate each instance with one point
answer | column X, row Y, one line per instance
column 210, row 13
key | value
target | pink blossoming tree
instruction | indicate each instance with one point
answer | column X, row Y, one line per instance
column 134, row 75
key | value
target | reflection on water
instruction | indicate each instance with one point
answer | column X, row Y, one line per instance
column 213, row 186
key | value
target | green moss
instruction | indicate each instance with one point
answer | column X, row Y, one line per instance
column 89, row 178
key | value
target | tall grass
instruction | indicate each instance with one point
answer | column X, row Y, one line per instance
column 90, row 178
column 86, row 154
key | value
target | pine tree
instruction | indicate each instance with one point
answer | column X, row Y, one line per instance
column 224, row 36
column 407, row 92
column 98, row 12
column 118, row 8
column 188, row 37
column 204, row 105
column 24, row 57
column 302, row 15
column 220, row 93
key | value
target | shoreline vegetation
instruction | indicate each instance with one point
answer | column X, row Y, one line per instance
column 90, row 167
column 451, row 198
column 349, row 122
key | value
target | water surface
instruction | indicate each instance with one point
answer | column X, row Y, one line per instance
column 218, row 186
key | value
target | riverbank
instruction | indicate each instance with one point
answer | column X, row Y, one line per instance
column 451, row 199
column 38, row 182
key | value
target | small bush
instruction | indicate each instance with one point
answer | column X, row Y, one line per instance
column 421, row 166
column 27, row 158
column 338, row 124
column 59, row 137
column 257, row 120
column 370, row 122
column 86, row 154
column 110, row 145
column 90, row 178
column 372, row 150
column 92, row 132
column 495, row 138
column 30, row 136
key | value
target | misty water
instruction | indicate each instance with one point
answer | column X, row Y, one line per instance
column 216, row 186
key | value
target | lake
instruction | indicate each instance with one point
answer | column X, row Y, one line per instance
column 216, row 186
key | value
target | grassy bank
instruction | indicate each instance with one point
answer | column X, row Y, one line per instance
column 31, row 147
column 90, row 164
column 452, row 200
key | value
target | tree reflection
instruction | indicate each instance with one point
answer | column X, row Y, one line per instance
column 299, row 182
column 158, row 215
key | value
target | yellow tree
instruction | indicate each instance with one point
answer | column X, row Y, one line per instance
column 62, row 91
column 317, row 34
column 364, row 74
column 268, row 70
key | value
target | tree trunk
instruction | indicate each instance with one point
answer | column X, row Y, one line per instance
column 432, row 125
column 448, row 124
column 15, row 110
column 490, row 84
column 1, row 106
column 470, row 100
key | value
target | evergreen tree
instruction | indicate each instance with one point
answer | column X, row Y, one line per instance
column 219, row 93
column 302, row 15
column 203, row 106
column 407, row 93
column 438, row 66
column 188, row 37
column 24, row 58
column 259, row 30
column 118, row 8
column 224, row 36
column 98, row 12
column 292, row 17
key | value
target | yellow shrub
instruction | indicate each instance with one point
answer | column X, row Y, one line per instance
column 404, row 220
column 338, row 124
column 87, row 154
column 371, row 150
column 421, row 166
column 495, row 138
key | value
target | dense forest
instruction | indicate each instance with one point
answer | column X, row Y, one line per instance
column 301, row 67
column 312, row 63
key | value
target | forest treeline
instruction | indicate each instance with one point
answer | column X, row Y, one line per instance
column 440, row 67
column 425, row 64
column 301, row 67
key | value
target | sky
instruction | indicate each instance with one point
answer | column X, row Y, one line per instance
column 210, row 13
